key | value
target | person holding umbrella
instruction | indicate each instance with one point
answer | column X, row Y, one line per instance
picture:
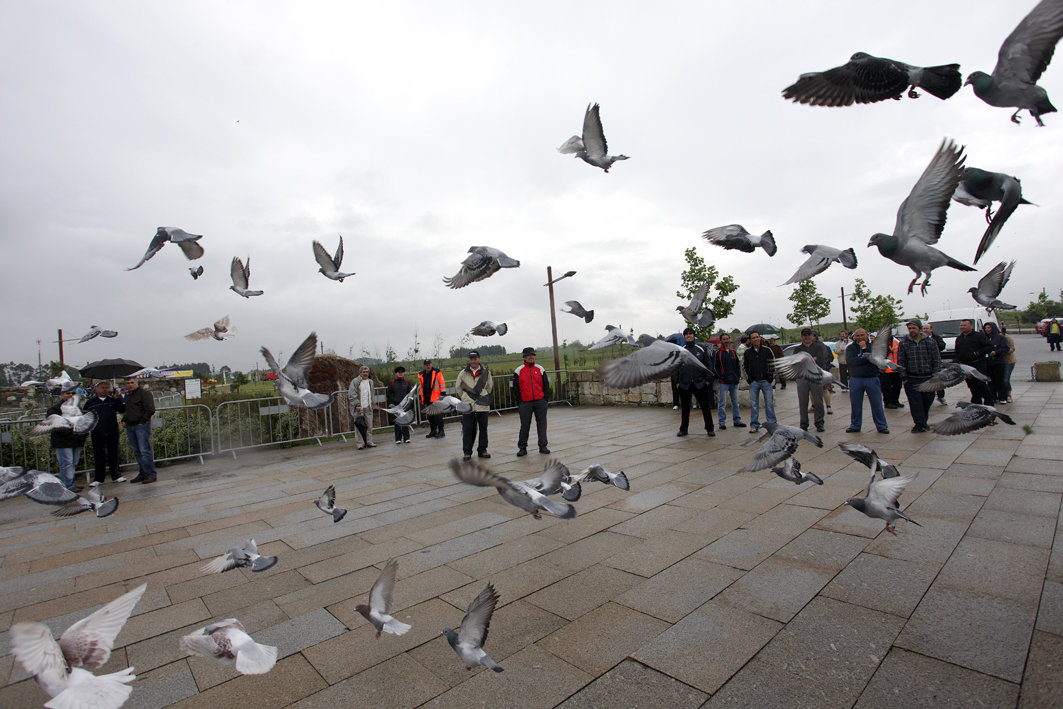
column 139, row 408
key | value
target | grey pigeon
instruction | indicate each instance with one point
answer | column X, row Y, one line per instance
column 1022, row 59
column 791, row 470
column 990, row 285
column 53, row 383
column 949, row 376
column 655, row 361
column 781, row 443
column 592, row 147
column 488, row 328
column 970, row 417
column 468, row 642
column 330, row 265
column 237, row 558
column 820, row 259
column 95, row 330
column 880, row 350
column 64, row 669
column 868, row 79
column 530, row 496
column 867, row 456
column 578, row 310
column 482, row 262
column 228, row 643
column 93, row 501
column 71, row 419
column 446, row 405
column 980, row 188
column 196, row 273
column 10, row 473
column 150, row 372
column 735, row 236
column 690, row 312
column 401, row 411
column 614, row 336
column 241, row 275
column 380, row 602
column 921, row 218
column 327, row 504
column 38, row 486
column 169, row 234
column 802, row 366
column 220, row 331
column 599, row 473
column 292, row 380
column 881, row 500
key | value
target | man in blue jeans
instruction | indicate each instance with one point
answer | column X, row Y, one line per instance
column 65, row 442
column 729, row 372
column 759, row 364
column 139, row 408
column 863, row 379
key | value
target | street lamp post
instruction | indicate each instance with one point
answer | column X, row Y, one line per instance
column 553, row 316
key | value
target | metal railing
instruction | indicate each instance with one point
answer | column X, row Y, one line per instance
column 251, row 423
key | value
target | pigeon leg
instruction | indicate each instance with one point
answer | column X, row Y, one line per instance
column 922, row 288
column 1040, row 123
column 890, row 529
column 1015, row 117
column 989, row 214
column 912, row 93
column 378, row 635
column 911, row 285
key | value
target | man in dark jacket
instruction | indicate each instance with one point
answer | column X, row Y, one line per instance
column 66, row 444
column 824, row 358
column 928, row 331
column 919, row 358
column 694, row 382
column 105, row 435
column 139, row 408
column 531, row 391
column 996, row 363
column 863, row 379
column 397, row 390
column 728, row 372
column 972, row 347
column 759, row 364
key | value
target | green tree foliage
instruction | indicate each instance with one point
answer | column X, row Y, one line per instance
column 810, row 305
column 871, row 311
column 485, row 351
column 692, row 279
column 1043, row 307
column 239, row 378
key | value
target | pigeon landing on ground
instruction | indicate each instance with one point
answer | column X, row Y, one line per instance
column 735, row 236
column 38, row 486
column 93, row 501
column 781, row 444
column 228, row 643
column 881, row 499
column 880, row 350
column 71, row 418
column 868, row 79
column 1022, row 59
column 292, row 381
column 614, row 336
column 970, row 417
column 530, row 496
column 94, row 330
column 820, row 259
column 980, row 188
column 921, row 218
column 990, row 285
column 196, row 273
column 380, row 602
column 446, row 405
column 241, row 275
column 488, row 328
column 592, row 148
column 220, row 331
column 791, row 470
column 327, row 504
column 803, row 366
column 949, row 376
column 64, row 669
column 578, row 310
column 690, row 313
column 237, row 558
column 169, row 234
column 599, row 473
column 654, row 361
column 330, row 265
column 482, row 262
column 468, row 642
column 867, row 456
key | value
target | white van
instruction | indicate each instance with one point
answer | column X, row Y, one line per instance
column 946, row 324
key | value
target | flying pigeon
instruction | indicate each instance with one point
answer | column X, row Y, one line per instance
column 530, row 495
column 53, row 383
column 330, row 266
column 468, row 642
column 95, row 330
column 592, row 147
column 949, row 376
column 868, row 79
column 578, row 310
column 599, row 473
column 64, row 669
column 655, row 361
column 1022, row 59
column 802, row 366
column 327, row 504
column 819, row 260
column 867, row 456
column 921, row 218
column 240, row 558
column 488, row 328
column 791, row 470
column 150, row 372
column 880, row 350
column 7, row 474
column 169, row 234
column 881, row 500
column 735, row 236
column 990, row 285
column 614, row 336
column 241, row 275
column 380, row 602
column 228, row 643
column 781, row 444
column 93, row 501
column 220, row 331
column 71, row 418
column 482, row 262
column 690, row 313
column 980, row 188
column 37, row 485
column 196, row 273
column 292, row 381
column 970, row 417
column 446, row 405
column 401, row 411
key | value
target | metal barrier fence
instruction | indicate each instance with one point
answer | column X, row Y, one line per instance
column 250, row 423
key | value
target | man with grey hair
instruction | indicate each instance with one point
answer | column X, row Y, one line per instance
column 360, row 404
column 920, row 359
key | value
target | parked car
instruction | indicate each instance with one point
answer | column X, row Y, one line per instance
column 946, row 324
column 1042, row 327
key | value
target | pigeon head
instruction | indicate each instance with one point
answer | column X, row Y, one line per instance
column 979, row 81
column 856, row 503
column 972, row 290
column 452, row 637
column 886, row 243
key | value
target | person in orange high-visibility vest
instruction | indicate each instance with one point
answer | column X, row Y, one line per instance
column 891, row 380
column 432, row 387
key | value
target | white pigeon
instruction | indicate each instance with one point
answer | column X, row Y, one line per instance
column 327, row 504
column 53, row 383
column 802, row 366
column 446, row 405
column 991, row 284
column 530, row 495
column 735, row 236
column 330, row 265
column 592, row 148
column 94, row 331
column 380, row 602
column 228, row 643
column 149, row 372
column 71, row 418
column 468, row 642
column 220, row 331
column 170, row 234
column 781, row 443
column 241, row 275
column 292, row 380
column 819, row 260
column 950, row 375
column 64, row 669
column 237, row 558
column 482, row 262
column 37, row 485
column 881, row 500
column 614, row 336
column 92, row 501
column 488, row 328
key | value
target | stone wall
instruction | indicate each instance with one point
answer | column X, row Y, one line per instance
column 592, row 392
column 16, row 397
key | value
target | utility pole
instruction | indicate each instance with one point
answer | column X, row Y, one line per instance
column 553, row 316
column 845, row 321
column 61, row 360
column 40, row 373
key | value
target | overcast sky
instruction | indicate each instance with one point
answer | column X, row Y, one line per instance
column 420, row 129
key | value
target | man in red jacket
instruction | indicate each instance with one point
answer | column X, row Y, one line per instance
column 531, row 389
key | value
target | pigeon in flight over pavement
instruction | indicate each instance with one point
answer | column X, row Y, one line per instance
column 196, row 273
column 401, row 411
column 37, row 485
column 990, row 285
column 380, row 602
column 330, row 265
column 237, row 558
column 220, row 331
column 592, row 147
column 880, row 350
column 482, row 262
column 970, row 417
column 95, row 330
column 70, row 418
column 169, row 234
column 802, row 366
column 228, row 643
column 614, row 336
column 791, row 470
column 781, row 444
column 980, row 188
column 690, row 313
column 488, row 328
column 881, row 500
column 468, row 642
column 327, row 504
column 241, row 274
column 578, row 310
column 820, row 259
column 868, row 79
column 654, row 361
column 950, row 375
column 446, row 405
column 599, row 473
column 735, row 236
column 529, row 495
column 867, row 456
column 292, row 380
column 92, row 501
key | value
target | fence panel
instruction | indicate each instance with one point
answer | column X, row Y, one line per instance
column 251, row 423
column 341, row 422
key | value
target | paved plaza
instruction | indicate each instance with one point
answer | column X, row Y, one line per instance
column 700, row 587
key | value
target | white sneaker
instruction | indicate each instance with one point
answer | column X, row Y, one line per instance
column 675, row 408
column 361, row 447
column 398, row 443
column 119, row 480
column 94, row 484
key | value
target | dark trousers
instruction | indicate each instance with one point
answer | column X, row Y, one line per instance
column 998, row 384
column 919, row 401
column 402, row 433
column 843, row 373
column 105, row 451
column 436, row 423
column 526, row 409
column 469, row 424
column 891, row 388
column 704, row 397
column 804, row 388
column 980, row 391
column 675, row 391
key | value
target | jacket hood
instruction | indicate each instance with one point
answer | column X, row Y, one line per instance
column 993, row 329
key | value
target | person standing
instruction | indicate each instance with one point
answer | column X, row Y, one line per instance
column 997, row 363
column 776, row 353
column 972, row 348
column 531, row 391
column 474, row 385
column 759, row 364
column 360, row 403
column 830, row 387
column 397, row 390
column 823, row 358
column 839, row 352
column 105, row 434
column 1009, row 362
column 66, row 444
column 139, row 408
column 1055, row 334
column 728, row 372
column 891, row 379
column 863, row 379
column 695, row 382
column 918, row 356
column 928, row 331
column 432, row 387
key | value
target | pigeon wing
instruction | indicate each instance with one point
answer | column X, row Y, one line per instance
column 922, row 214
column 778, row 448
column 732, row 236
column 966, row 420
column 475, row 474
column 477, row 621
column 225, row 562
column 1009, row 201
column 1027, row 51
column 35, row 649
column 699, row 297
column 324, row 259
column 301, row 361
column 816, row 264
column 865, row 79
column 860, row 453
column 798, row 366
column 201, row 334
column 222, row 325
column 593, row 134
column 880, row 348
column 993, row 282
column 159, row 240
column 49, row 490
column 191, row 249
column 572, row 145
column 887, row 492
column 237, row 272
column 271, row 360
column 338, row 258
column 655, row 361
column 88, row 643
column 947, row 377
column 380, row 596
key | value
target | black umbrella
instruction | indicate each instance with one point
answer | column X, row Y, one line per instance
column 110, row 368
column 763, row 328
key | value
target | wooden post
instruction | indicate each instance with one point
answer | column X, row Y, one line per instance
column 845, row 322
column 553, row 317
column 61, row 360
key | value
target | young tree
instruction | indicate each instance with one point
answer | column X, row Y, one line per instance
column 871, row 311
column 415, row 350
column 809, row 304
column 437, row 345
column 691, row 280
